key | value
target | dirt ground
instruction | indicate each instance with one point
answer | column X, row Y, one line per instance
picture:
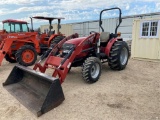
column 131, row 94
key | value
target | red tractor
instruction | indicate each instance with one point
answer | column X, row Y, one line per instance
column 12, row 29
column 86, row 52
column 89, row 52
column 18, row 44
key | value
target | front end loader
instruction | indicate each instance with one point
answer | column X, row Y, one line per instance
column 86, row 52
column 35, row 90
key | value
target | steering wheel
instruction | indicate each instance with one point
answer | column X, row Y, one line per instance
column 92, row 32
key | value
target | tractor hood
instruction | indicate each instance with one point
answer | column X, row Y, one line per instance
column 75, row 41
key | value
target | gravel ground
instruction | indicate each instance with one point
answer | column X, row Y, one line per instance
column 131, row 94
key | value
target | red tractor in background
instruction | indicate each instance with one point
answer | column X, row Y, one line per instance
column 40, row 92
column 11, row 29
column 7, row 29
column 18, row 44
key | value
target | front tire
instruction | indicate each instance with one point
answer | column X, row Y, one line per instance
column 26, row 55
column 10, row 59
column 119, row 55
column 91, row 69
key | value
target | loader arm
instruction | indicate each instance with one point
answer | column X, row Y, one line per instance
column 62, row 65
column 54, row 50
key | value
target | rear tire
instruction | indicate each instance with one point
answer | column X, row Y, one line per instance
column 119, row 55
column 10, row 59
column 91, row 69
column 26, row 55
column 56, row 40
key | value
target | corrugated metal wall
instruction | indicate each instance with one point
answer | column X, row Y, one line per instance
column 78, row 28
column 65, row 28
column 144, row 47
column 84, row 28
column 109, row 25
column 126, row 28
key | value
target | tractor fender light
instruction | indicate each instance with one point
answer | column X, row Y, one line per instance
column 119, row 34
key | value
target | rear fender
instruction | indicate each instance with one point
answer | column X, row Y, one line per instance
column 110, row 44
column 52, row 37
column 19, row 43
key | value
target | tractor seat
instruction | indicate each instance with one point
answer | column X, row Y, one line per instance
column 51, row 32
column 104, row 37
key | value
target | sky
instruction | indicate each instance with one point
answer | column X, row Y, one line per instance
column 72, row 10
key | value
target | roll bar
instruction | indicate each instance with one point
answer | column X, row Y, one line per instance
column 120, row 19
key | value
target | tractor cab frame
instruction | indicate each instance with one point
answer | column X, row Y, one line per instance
column 15, row 26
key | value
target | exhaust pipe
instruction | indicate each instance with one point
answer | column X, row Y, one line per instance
column 31, row 24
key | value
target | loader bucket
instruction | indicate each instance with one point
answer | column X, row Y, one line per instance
column 36, row 91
